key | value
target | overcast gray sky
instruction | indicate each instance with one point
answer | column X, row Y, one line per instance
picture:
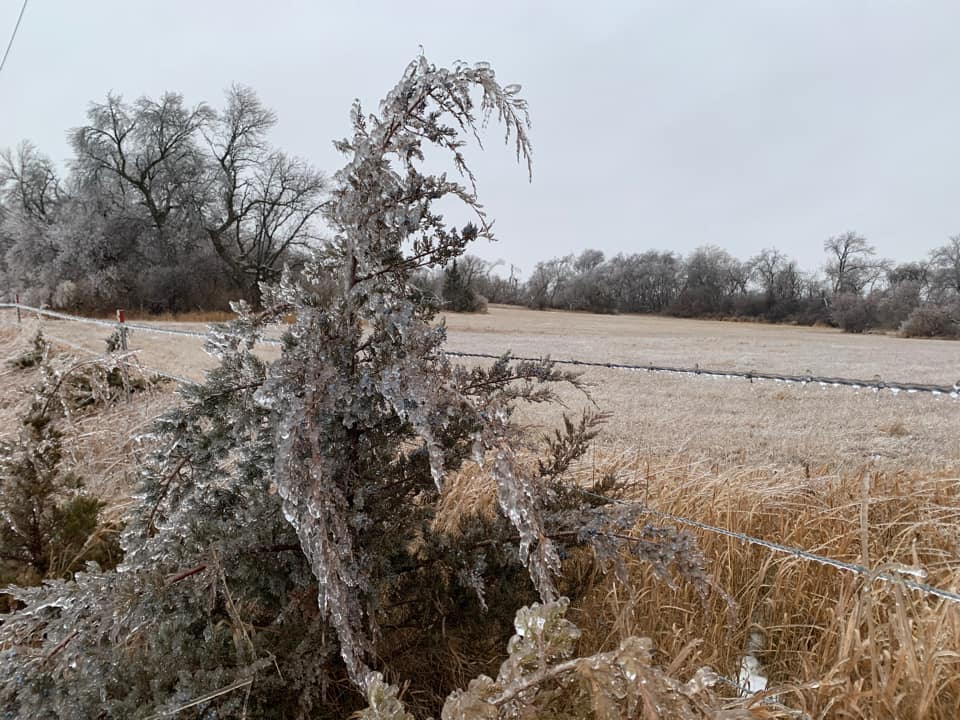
column 662, row 125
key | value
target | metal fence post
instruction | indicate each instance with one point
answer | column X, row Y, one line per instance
column 122, row 328
column 17, row 300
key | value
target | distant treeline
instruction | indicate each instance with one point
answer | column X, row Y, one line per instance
column 856, row 291
column 165, row 207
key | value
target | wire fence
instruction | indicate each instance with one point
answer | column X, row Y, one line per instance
column 876, row 384
column 114, row 324
column 143, row 368
column 952, row 391
column 900, row 575
column 889, row 574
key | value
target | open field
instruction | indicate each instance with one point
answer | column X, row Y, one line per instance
column 730, row 422
column 735, row 421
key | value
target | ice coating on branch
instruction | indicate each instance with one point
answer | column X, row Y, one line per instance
column 382, row 701
column 363, row 394
column 518, row 502
column 542, row 678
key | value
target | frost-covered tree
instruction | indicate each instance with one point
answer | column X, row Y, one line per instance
column 257, row 204
column 284, row 552
column 371, row 409
column 33, row 198
column 713, row 279
column 945, row 271
column 852, row 266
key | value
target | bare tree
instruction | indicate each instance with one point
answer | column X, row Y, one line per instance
column 713, row 278
column 259, row 203
column 476, row 271
column 29, row 183
column 499, row 289
column 32, row 196
column 764, row 268
column 145, row 153
column 140, row 167
column 853, row 265
column 548, row 281
column 945, row 270
column 788, row 282
column 588, row 260
column 236, row 199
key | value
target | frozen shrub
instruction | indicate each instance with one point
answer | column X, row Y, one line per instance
column 853, row 313
column 34, row 355
column 66, row 295
column 459, row 294
column 542, row 677
column 929, row 321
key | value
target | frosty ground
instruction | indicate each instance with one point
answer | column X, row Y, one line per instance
column 731, row 422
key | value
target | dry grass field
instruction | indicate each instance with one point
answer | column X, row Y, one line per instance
column 862, row 477
column 736, row 422
column 717, row 420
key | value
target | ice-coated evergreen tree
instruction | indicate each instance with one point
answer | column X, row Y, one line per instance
column 283, row 540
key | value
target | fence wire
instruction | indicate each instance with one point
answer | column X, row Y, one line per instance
column 59, row 315
column 876, row 384
column 143, row 368
column 113, row 324
column 952, row 391
column 893, row 574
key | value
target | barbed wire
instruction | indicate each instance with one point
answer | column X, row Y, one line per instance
column 144, row 368
column 952, row 391
column 890, row 575
column 874, row 575
column 876, row 384
column 60, row 315
column 129, row 325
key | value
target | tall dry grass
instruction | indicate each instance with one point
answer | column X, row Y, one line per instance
column 833, row 645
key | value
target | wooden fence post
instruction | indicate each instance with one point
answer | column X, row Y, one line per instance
column 123, row 329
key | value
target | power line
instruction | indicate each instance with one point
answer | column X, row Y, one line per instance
column 13, row 35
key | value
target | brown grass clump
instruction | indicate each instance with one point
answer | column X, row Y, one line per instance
column 896, row 428
column 470, row 493
column 15, row 381
column 831, row 644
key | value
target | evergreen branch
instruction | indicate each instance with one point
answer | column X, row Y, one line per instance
column 165, row 486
